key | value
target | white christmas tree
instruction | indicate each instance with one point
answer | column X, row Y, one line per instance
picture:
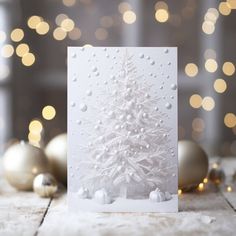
column 129, row 150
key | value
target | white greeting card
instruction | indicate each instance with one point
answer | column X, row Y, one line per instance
column 122, row 129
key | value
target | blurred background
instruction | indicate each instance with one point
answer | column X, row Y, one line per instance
column 34, row 36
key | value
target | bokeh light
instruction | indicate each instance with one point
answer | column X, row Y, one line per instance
column 22, row 49
column 198, row 124
column 228, row 68
column 208, row 103
column 129, row 17
column 191, row 69
column 35, row 126
column 161, row 5
column 67, row 25
column 210, row 18
column 69, row 3
column 106, row 21
column 7, row 50
column 87, row 45
column 162, row 15
column 211, row 65
column 42, row 28
column 230, row 120
column 213, row 11
column 208, row 27
column 224, row 8
column 75, row 34
column 33, row 21
column 210, row 54
column 35, row 129
column 28, row 59
column 34, row 137
column 60, row 18
column 220, row 86
column 123, row 7
column 195, row 101
column 59, row 34
column 17, row 35
column 48, row 112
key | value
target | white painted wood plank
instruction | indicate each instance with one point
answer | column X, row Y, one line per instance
column 20, row 212
column 231, row 198
column 202, row 214
column 229, row 166
column 203, row 202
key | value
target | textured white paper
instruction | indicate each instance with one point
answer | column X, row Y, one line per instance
column 122, row 129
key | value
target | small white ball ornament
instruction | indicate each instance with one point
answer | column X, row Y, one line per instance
column 157, row 196
column 45, row 185
column 83, row 193
column 22, row 162
column 101, row 196
column 56, row 151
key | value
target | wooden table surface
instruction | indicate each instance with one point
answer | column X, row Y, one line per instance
column 211, row 212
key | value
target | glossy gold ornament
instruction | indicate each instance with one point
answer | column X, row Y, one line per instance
column 193, row 165
column 22, row 162
column 45, row 185
column 56, row 152
column 216, row 175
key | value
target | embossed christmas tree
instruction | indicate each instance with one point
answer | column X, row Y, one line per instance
column 129, row 152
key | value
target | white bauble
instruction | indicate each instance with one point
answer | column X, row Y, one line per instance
column 22, row 162
column 45, row 185
column 83, row 193
column 157, row 196
column 56, row 151
column 101, row 196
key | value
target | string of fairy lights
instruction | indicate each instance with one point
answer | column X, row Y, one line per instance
column 64, row 27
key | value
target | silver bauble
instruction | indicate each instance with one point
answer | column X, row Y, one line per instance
column 56, row 151
column 22, row 162
column 193, row 165
column 45, row 185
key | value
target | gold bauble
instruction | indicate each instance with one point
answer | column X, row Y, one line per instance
column 193, row 165
column 216, row 175
column 56, row 151
column 45, row 185
column 22, row 162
